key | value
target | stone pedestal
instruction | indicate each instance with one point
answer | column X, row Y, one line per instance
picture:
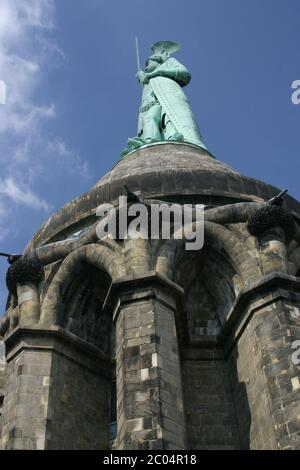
column 264, row 323
column 57, row 392
column 149, row 390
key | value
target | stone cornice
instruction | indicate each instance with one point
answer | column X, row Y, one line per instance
column 128, row 286
column 56, row 339
column 271, row 288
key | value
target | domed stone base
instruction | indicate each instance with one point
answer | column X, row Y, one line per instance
column 177, row 172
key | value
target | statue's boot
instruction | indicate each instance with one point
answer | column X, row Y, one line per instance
column 135, row 143
column 177, row 136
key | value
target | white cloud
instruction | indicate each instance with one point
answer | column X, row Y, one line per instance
column 18, row 14
column 2, row 92
column 27, row 51
column 4, row 214
column 22, row 195
column 20, row 60
column 72, row 161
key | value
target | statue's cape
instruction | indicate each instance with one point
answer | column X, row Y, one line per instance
column 175, row 104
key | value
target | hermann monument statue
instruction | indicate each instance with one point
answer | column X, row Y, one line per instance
column 165, row 113
column 138, row 344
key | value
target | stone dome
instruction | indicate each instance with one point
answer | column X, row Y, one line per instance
column 169, row 171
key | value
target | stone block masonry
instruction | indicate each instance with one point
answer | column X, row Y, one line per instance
column 57, row 392
column 149, row 388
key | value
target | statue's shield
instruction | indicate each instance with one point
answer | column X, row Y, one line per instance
column 175, row 104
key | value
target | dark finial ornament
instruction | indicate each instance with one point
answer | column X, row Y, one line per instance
column 269, row 217
column 26, row 270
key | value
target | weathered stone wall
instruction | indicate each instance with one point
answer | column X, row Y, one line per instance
column 252, row 399
column 57, row 392
column 78, row 407
column 266, row 382
column 254, row 419
column 149, row 389
column 210, row 415
column 26, row 401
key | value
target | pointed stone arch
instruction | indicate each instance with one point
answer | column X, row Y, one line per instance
column 232, row 245
column 97, row 255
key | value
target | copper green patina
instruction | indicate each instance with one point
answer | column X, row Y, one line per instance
column 165, row 113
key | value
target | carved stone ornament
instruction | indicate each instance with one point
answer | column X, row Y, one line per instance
column 271, row 216
column 27, row 269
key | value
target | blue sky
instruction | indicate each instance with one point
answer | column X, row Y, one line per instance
column 72, row 96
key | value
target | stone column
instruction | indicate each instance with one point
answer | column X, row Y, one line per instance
column 273, row 251
column 57, row 391
column 24, row 419
column 29, row 304
column 263, row 326
column 272, row 225
column 23, row 279
column 149, row 390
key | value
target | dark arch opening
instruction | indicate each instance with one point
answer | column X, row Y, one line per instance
column 210, row 382
column 83, row 397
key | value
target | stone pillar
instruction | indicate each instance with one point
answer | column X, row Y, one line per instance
column 272, row 225
column 149, row 390
column 57, row 391
column 273, row 251
column 263, row 326
column 23, row 279
column 29, row 304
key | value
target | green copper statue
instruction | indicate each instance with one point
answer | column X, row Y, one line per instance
column 165, row 113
